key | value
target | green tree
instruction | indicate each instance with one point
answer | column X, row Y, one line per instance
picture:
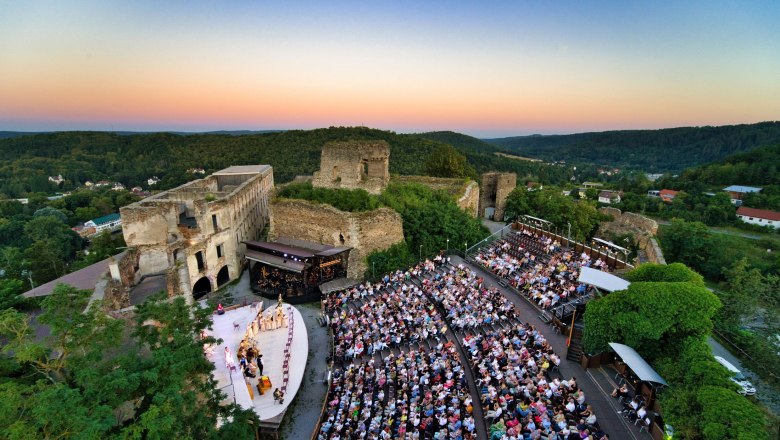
column 91, row 378
column 740, row 292
column 518, row 203
column 726, row 416
column 649, row 316
column 446, row 161
column 674, row 272
column 10, row 290
column 48, row 211
column 687, row 242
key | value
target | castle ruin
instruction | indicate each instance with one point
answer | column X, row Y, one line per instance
column 193, row 234
column 354, row 165
column 364, row 232
column 495, row 189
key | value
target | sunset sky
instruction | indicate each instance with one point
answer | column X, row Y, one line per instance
column 486, row 69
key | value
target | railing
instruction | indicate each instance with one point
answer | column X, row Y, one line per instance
column 490, row 238
column 287, row 350
column 611, row 259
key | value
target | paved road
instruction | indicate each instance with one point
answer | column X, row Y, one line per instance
column 493, row 226
column 765, row 393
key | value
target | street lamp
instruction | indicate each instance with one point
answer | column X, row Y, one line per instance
column 465, row 248
column 568, row 237
column 420, row 252
column 448, row 246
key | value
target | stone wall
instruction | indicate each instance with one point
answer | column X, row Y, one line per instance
column 643, row 230
column 469, row 201
column 354, row 165
column 364, row 232
column 122, row 271
column 495, row 189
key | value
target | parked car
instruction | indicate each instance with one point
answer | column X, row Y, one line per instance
column 745, row 387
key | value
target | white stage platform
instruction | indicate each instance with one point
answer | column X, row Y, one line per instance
column 271, row 344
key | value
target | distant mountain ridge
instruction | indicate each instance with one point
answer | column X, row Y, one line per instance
column 663, row 150
column 12, row 134
column 131, row 159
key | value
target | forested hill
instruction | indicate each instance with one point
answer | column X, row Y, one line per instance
column 671, row 149
column 132, row 159
column 758, row 167
column 462, row 141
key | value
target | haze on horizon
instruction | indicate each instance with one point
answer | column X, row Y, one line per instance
column 507, row 68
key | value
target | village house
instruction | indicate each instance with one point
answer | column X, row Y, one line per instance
column 667, row 195
column 610, row 197
column 760, row 217
column 737, row 192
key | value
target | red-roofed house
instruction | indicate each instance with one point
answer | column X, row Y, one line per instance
column 760, row 217
column 667, row 195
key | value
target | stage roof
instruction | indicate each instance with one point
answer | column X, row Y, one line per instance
column 273, row 260
column 333, row 251
column 637, row 364
column 298, row 248
column 282, row 248
column 602, row 280
column 303, row 244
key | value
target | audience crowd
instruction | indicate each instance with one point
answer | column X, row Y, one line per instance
column 538, row 267
column 415, row 395
column 519, row 399
column 370, row 318
column 424, row 394
column 465, row 299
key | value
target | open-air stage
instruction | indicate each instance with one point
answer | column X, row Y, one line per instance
column 272, row 345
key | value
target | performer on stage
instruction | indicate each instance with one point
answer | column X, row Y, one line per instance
column 280, row 321
column 229, row 358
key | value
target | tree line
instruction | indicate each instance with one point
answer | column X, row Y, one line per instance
column 132, row 159
column 666, row 150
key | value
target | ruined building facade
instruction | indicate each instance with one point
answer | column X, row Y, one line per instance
column 495, row 189
column 354, row 165
column 194, row 233
column 364, row 232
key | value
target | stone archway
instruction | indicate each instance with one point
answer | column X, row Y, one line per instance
column 201, row 288
column 223, row 276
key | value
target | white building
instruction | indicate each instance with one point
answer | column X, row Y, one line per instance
column 152, row 180
column 609, row 197
column 109, row 222
column 56, row 180
column 760, row 217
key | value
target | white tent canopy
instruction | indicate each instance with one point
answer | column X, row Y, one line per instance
column 637, row 364
column 602, row 280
